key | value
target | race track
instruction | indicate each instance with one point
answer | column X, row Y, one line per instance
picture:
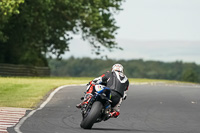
column 157, row 108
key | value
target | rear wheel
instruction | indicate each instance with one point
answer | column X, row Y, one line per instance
column 92, row 116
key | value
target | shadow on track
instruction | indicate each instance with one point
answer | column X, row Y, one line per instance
column 112, row 129
column 121, row 130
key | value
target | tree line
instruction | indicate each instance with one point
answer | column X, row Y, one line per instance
column 86, row 67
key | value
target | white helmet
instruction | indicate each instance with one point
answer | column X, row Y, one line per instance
column 117, row 67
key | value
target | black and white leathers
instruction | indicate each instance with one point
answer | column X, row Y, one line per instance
column 116, row 81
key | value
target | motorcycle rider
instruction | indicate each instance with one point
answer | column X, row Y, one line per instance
column 117, row 82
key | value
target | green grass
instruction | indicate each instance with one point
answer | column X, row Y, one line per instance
column 27, row 92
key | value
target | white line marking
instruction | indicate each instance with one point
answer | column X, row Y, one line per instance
column 17, row 127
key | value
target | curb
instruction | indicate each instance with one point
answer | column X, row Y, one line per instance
column 9, row 117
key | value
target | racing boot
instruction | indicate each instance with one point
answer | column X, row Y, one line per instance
column 79, row 105
column 84, row 102
column 113, row 114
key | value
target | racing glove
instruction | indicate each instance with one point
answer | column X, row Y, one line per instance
column 97, row 80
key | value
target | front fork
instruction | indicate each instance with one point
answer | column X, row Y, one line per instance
column 87, row 105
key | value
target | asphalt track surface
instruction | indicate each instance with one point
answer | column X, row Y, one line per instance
column 157, row 108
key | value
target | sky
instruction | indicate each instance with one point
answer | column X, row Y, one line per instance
column 160, row 30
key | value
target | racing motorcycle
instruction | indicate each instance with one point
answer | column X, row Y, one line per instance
column 96, row 107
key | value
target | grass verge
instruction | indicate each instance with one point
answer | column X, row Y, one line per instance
column 27, row 92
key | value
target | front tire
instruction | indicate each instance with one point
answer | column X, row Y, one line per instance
column 91, row 118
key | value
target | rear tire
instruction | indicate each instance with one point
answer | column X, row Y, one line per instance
column 91, row 118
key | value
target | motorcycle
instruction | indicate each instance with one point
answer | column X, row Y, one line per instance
column 96, row 107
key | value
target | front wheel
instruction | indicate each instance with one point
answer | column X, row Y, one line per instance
column 92, row 116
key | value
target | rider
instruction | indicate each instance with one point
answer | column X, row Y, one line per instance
column 117, row 82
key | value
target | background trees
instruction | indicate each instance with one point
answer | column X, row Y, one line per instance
column 7, row 9
column 32, row 30
column 87, row 67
